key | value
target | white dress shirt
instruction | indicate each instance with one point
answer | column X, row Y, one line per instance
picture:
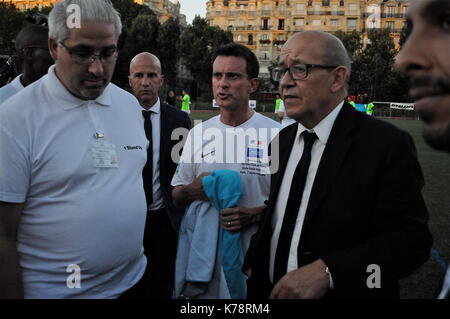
column 322, row 130
column 157, row 202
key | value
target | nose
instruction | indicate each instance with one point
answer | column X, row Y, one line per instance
column 96, row 67
column 286, row 80
column 145, row 81
column 414, row 55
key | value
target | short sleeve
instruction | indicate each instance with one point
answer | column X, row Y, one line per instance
column 14, row 168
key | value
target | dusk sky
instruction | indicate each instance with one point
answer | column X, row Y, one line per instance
column 192, row 7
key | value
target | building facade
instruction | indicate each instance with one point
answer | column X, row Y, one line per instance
column 264, row 25
column 164, row 9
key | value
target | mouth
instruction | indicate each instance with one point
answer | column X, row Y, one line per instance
column 94, row 83
column 426, row 101
column 287, row 97
column 223, row 95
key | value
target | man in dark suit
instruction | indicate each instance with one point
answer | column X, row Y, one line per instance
column 163, row 218
column 424, row 59
column 345, row 216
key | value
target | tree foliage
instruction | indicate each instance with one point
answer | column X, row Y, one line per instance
column 169, row 47
column 198, row 43
column 11, row 21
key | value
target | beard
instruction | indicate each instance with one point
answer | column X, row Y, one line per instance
column 438, row 138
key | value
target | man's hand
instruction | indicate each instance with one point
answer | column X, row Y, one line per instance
column 307, row 282
column 236, row 218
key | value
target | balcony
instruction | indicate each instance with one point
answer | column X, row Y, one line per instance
column 393, row 15
column 265, row 28
column 264, row 41
column 325, row 13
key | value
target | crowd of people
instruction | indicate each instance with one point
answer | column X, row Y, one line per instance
column 107, row 194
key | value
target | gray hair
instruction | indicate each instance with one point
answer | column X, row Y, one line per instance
column 90, row 10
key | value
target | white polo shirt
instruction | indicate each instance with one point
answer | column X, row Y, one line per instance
column 11, row 88
column 74, row 213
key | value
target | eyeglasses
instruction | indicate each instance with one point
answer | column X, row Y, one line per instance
column 86, row 56
column 297, row 71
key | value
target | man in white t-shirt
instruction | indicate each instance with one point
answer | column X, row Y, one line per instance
column 72, row 203
column 237, row 139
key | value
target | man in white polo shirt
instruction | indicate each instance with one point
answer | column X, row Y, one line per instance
column 72, row 203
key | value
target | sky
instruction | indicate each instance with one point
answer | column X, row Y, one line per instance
column 192, row 7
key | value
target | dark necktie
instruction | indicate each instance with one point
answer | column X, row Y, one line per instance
column 147, row 173
column 292, row 208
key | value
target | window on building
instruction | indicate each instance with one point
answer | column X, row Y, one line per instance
column 239, row 38
column 282, row 8
column 341, row 3
column 281, row 24
column 334, row 22
column 240, row 23
column 299, row 7
column 250, row 39
column 265, row 24
column 391, row 12
column 265, row 55
column 316, row 22
column 264, row 37
column 353, row 7
column 334, row 9
column 351, row 24
column 326, row 3
column 299, row 22
column 390, row 25
column 404, row 9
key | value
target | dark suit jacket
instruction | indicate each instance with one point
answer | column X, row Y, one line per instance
column 171, row 119
column 365, row 208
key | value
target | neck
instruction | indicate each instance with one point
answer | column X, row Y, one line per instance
column 28, row 77
column 235, row 117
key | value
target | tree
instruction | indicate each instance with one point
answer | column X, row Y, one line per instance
column 141, row 36
column 198, row 43
column 11, row 21
column 352, row 42
column 168, row 43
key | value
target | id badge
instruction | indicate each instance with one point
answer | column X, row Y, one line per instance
column 104, row 154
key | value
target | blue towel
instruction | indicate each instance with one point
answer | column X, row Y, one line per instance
column 224, row 189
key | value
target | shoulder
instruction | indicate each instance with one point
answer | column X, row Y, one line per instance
column 173, row 112
column 263, row 121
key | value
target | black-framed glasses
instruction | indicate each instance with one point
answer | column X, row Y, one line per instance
column 297, row 71
column 86, row 56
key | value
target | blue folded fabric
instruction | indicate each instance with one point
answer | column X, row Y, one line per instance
column 224, row 189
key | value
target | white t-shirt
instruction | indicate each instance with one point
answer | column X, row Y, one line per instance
column 74, row 213
column 10, row 89
column 209, row 147
column 286, row 121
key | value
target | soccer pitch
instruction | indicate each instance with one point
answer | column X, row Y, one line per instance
column 425, row 282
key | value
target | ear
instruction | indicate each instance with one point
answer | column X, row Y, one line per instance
column 254, row 83
column 53, row 47
column 340, row 77
column 162, row 80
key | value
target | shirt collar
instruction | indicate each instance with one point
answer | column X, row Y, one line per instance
column 323, row 128
column 155, row 108
column 17, row 84
column 67, row 100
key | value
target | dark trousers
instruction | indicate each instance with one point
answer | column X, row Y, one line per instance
column 160, row 247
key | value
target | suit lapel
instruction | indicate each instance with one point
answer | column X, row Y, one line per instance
column 164, row 136
column 285, row 140
column 335, row 152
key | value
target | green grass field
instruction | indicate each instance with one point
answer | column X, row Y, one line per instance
column 425, row 282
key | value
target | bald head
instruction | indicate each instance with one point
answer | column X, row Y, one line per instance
column 145, row 78
column 145, row 58
column 323, row 45
column 319, row 68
